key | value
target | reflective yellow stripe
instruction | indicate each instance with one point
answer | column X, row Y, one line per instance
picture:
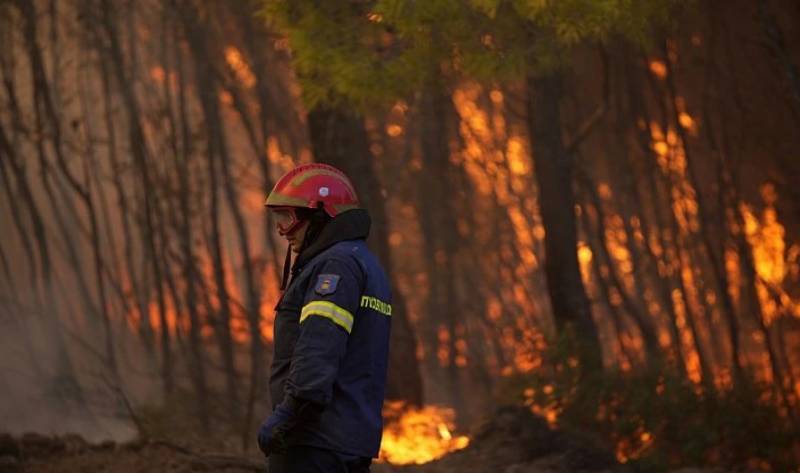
column 330, row 310
column 278, row 199
column 344, row 207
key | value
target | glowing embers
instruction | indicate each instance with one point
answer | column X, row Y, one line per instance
column 416, row 436
column 634, row 446
column 544, row 403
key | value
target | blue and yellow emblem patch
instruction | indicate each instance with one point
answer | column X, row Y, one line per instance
column 326, row 284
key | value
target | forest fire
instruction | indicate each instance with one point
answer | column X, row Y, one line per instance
column 137, row 147
column 418, row 435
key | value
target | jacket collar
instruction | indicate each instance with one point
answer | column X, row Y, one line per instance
column 350, row 225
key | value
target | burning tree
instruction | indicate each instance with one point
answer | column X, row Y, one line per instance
column 621, row 171
column 376, row 53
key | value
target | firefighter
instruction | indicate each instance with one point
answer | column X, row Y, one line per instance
column 331, row 332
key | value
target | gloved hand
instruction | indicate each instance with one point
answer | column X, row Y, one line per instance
column 272, row 434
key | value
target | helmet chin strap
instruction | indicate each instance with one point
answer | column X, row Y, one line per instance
column 310, row 233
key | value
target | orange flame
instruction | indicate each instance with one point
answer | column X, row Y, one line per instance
column 658, row 68
column 417, row 436
column 773, row 261
column 240, row 67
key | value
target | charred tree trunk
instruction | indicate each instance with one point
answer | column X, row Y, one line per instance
column 750, row 275
column 69, row 388
column 554, row 175
column 209, row 90
column 204, row 75
column 730, row 228
column 255, row 35
column 25, row 325
column 776, row 44
column 139, row 304
column 139, row 152
column 714, row 256
column 750, row 278
column 660, row 227
column 645, row 273
column 90, row 163
column 439, row 222
column 197, row 363
column 637, row 313
column 48, row 122
column 603, row 272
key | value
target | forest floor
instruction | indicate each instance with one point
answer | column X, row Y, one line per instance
column 513, row 442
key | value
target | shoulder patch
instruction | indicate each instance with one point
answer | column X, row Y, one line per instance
column 326, row 284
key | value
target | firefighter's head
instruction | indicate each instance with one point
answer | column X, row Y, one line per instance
column 306, row 198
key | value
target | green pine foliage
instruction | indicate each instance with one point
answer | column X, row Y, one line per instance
column 369, row 53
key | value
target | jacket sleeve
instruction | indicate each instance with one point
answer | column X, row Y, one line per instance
column 326, row 320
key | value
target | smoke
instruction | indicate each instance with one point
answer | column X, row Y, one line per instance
column 37, row 396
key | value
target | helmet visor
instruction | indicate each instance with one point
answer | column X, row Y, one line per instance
column 286, row 219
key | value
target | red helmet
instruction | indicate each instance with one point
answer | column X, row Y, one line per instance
column 314, row 186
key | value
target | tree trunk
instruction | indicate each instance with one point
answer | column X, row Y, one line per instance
column 554, row 169
column 660, row 225
column 439, row 224
column 197, row 363
column 25, row 324
column 90, row 163
column 207, row 81
column 720, row 275
column 204, row 75
column 635, row 310
column 69, row 388
column 139, row 304
column 139, row 152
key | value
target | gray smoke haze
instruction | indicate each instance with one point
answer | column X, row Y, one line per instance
column 34, row 398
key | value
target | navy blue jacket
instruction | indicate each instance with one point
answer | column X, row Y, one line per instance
column 331, row 339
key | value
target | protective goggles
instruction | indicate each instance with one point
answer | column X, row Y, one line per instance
column 286, row 219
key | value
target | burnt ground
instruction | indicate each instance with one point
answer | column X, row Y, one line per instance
column 34, row 453
column 514, row 441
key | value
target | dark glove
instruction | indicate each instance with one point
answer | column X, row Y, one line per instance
column 272, row 434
